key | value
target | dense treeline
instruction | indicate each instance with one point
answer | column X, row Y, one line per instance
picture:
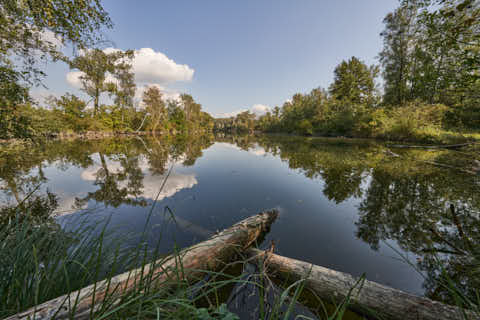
column 26, row 42
column 431, row 79
column 70, row 114
column 107, row 73
column 430, row 68
column 243, row 122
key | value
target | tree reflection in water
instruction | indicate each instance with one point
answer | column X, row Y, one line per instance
column 430, row 211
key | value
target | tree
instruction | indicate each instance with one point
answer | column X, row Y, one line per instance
column 191, row 108
column 397, row 59
column 25, row 30
column 72, row 110
column 245, row 122
column 29, row 28
column 125, row 87
column 96, row 65
column 176, row 116
column 354, row 82
column 432, row 52
column 155, row 106
column 12, row 122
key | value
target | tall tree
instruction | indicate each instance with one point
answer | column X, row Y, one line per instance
column 72, row 111
column 191, row 108
column 96, row 65
column 354, row 82
column 432, row 52
column 155, row 107
column 125, row 86
column 396, row 57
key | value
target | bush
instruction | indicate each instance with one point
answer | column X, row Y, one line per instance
column 305, row 127
column 413, row 122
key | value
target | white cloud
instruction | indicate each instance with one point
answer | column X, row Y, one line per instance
column 155, row 67
column 73, row 79
column 260, row 109
column 51, row 38
column 257, row 150
column 151, row 183
column 257, row 109
column 229, row 114
column 151, row 68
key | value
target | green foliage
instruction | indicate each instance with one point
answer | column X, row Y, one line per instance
column 354, row 82
column 39, row 211
column 71, row 111
column 318, row 114
column 13, row 124
column 430, row 68
column 432, row 53
column 27, row 32
column 25, row 27
column 305, row 127
column 243, row 122
column 176, row 116
column 95, row 65
column 221, row 313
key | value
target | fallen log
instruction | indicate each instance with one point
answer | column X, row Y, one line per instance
column 474, row 171
column 334, row 286
column 208, row 255
column 447, row 146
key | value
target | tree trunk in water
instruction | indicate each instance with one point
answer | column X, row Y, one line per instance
column 385, row 302
column 208, row 255
column 96, row 101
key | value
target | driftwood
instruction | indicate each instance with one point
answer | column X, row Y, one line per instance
column 447, row 146
column 208, row 255
column 386, row 302
column 475, row 169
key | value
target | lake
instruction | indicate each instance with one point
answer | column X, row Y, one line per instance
column 355, row 206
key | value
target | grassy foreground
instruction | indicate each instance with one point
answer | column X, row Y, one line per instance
column 41, row 261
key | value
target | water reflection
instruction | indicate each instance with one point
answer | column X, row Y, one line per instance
column 126, row 172
column 431, row 212
column 356, row 206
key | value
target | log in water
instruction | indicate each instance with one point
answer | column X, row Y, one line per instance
column 385, row 302
column 208, row 255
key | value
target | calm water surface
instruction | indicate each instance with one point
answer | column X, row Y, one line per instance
column 345, row 205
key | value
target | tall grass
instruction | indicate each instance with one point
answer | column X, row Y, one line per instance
column 40, row 261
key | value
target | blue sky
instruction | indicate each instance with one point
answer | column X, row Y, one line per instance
column 241, row 53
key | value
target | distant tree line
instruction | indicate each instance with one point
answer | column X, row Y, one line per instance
column 243, row 122
column 430, row 67
column 430, row 63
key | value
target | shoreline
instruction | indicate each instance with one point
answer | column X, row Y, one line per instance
column 95, row 135
column 88, row 135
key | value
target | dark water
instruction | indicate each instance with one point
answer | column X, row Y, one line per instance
column 345, row 205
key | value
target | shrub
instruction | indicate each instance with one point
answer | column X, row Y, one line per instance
column 305, row 127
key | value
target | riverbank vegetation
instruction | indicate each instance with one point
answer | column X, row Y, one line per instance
column 37, row 33
column 429, row 65
column 428, row 90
